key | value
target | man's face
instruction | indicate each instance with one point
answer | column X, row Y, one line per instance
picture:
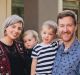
column 66, row 28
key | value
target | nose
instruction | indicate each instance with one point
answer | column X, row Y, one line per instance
column 16, row 30
column 65, row 28
column 46, row 35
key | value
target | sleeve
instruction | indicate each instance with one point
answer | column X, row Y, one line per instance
column 55, row 44
column 34, row 53
column 4, row 61
column 78, row 61
column 78, row 69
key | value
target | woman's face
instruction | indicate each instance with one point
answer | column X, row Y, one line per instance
column 14, row 31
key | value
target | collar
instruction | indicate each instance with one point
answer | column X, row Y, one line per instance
column 72, row 48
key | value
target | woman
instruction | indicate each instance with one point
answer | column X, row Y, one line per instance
column 11, row 60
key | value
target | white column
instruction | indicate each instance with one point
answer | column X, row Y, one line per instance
column 5, row 10
column 60, row 5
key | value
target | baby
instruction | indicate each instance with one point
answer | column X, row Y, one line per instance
column 30, row 39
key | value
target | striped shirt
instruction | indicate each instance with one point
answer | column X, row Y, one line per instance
column 45, row 55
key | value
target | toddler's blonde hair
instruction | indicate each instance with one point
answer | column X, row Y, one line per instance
column 33, row 33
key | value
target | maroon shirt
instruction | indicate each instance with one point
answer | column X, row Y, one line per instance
column 11, row 60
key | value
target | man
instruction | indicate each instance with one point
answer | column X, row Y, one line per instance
column 67, row 61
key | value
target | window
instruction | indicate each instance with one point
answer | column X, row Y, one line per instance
column 18, row 7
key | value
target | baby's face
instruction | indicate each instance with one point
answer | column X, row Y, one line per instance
column 29, row 41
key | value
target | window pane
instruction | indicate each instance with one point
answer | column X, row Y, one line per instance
column 18, row 7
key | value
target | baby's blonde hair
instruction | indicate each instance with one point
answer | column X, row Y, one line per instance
column 33, row 33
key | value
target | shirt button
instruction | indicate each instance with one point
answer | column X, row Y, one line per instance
column 1, row 67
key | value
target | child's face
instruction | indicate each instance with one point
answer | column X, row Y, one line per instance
column 47, row 35
column 29, row 41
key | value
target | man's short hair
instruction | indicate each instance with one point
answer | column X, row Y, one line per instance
column 67, row 13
